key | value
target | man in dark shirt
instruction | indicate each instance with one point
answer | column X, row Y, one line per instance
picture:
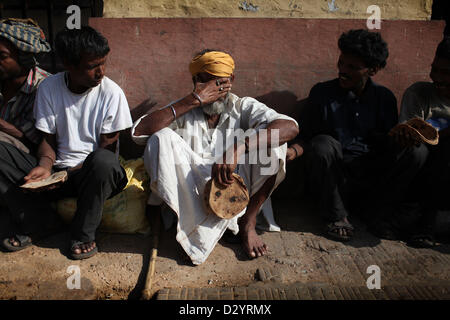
column 351, row 162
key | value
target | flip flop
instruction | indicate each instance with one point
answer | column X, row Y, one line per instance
column 82, row 255
column 24, row 242
column 334, row 227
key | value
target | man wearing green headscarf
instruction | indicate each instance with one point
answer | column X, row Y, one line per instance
column 20, row 41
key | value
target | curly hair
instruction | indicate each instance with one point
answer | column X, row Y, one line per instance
column 369, row 46
column 71, row 44
column 443, row 49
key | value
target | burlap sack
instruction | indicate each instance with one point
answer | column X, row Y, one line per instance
column 418, row 130
column 125, row 212
column 226, row 202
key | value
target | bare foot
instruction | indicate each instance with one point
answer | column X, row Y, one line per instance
column 14, row 242
column 84, row 247
column 252, row 243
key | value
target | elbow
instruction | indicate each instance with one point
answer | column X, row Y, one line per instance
column 296, row 130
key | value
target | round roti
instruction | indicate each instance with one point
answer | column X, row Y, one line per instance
column 419, row 130
column 51, row 182
column 226, row 202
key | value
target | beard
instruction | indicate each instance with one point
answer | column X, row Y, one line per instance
column 217, row 107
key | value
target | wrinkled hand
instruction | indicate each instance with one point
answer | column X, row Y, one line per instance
column 213, row 90
column 223, row 172
column 37, row 174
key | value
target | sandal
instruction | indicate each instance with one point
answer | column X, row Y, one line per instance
column 422, row 241
column 24, row 242
column 82, row 255
column 334, row 227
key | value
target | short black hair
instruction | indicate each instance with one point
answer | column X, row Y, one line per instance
column 443, row 49
column 369, row 46
column 71, row 44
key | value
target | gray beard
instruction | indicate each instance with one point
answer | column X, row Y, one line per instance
column 217, row 107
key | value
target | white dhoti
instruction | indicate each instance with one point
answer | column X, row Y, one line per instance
column 178, row 177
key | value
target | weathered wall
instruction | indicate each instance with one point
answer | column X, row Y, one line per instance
column 150, row 57
column 277, row 60
column 335, row 9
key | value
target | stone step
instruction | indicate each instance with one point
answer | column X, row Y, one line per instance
column 299, row 291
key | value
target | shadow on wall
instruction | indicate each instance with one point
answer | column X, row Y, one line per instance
column 129, row 149
column 287, row 103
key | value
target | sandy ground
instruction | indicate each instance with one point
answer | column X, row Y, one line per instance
column 299, row 253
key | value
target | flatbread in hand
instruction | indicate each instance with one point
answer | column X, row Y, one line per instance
column 226, row 202
column 53, row 181
column 418, row 130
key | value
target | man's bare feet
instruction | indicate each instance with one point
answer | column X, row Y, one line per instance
column 252, row 243
column 83, row 250
column 84, row 247
column 341, row 230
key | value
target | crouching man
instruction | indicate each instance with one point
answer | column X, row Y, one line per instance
column 80, row 113
column 193, row 140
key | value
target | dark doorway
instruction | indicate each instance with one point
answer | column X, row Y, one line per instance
column 51, row 16
column 441, row 11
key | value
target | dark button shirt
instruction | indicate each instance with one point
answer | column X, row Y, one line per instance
column 358, row 123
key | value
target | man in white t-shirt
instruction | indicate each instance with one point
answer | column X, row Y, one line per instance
column 80, row 113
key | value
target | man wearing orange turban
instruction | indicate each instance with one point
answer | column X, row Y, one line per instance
column 184, row 149
column 216, row 63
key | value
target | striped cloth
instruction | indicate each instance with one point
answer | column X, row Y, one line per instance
column 19, row 110
column 25, row 34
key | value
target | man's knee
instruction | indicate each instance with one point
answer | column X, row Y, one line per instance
column 325, row 148
column 154, row 142
column 103, row 162
column 5, row 148
column 417, row 155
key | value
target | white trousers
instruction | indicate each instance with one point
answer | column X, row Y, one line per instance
column 178, row 177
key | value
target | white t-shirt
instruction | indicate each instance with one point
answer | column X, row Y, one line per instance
column 79, row 119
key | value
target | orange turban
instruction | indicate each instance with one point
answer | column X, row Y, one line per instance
column 217, row 63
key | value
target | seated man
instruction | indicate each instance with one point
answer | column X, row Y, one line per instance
column 80, row 113
column 185, row 149
column 20, row 41
column 351, row 163
column 430, row 101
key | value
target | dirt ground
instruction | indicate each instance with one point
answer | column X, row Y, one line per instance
column 299, row 253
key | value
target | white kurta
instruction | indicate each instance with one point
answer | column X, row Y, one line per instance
column 179, row 161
